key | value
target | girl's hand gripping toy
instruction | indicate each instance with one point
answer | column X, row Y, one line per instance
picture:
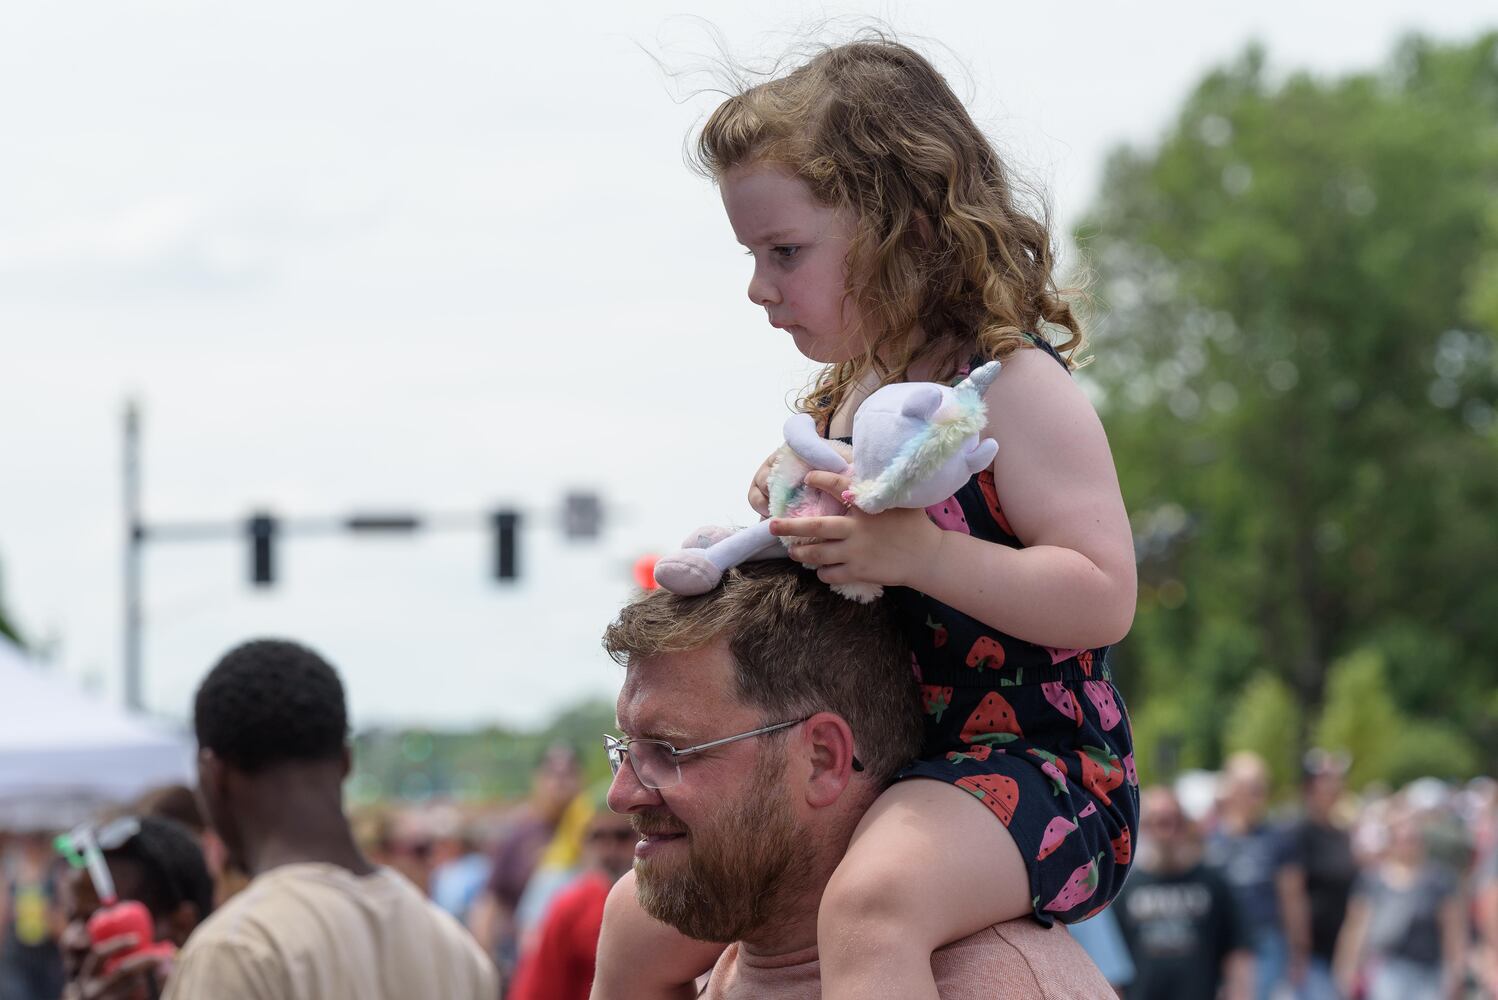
column 914, row 445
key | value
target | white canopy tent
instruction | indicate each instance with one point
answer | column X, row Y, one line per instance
column 64, row 754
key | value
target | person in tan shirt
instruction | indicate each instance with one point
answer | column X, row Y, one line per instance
column 317, row 921
column 762, row 719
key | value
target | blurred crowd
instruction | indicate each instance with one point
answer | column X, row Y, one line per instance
column 1383, row 894
column 529, row 879
column 1390, row 893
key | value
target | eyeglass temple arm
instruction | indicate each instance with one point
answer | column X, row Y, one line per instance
column 857, row 764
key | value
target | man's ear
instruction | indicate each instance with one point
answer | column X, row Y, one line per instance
column 210, row 775
column 828, row 742
column 345, row 762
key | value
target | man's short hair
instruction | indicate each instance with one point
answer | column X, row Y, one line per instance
column 171, row 865
column 798, row 648
column 271, row 701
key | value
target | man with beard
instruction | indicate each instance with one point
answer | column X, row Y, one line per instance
column 762, row 720
column 317, row 919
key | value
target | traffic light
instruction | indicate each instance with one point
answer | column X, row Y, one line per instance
column 582, row 516
column 262, row 531
column 506, row 558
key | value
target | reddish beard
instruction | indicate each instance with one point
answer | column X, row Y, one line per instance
column 738, row 865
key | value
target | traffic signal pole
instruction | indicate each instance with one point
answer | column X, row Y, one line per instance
column 134, row 537
column 581, row 519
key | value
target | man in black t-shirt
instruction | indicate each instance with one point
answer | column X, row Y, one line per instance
column 1317, row 879
column 1179, row 917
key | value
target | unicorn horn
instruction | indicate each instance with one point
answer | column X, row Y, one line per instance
column 980, row 378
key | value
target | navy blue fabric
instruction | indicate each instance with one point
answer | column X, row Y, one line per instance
column 1040, row 736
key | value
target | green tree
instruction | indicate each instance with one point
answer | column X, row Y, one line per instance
column 1298, row 370
column 1266, row 719
column 1361, row 719
column 6, row 628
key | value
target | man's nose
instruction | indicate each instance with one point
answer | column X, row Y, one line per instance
column 626, row 793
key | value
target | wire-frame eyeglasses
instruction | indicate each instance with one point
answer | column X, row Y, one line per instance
column 657, row 763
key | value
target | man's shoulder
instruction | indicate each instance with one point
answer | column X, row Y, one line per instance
column 297, row 902
column 245, row 920
column 1018, row 958
column 302, row 917
column 231, row 954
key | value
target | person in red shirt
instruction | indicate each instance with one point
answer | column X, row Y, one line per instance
column 560, row 966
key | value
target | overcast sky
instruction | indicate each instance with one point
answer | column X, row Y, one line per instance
column 439, row 256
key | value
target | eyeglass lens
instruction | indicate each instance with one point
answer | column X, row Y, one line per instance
column 652, row 761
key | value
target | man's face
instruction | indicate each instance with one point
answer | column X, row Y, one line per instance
column 720, row 848
column 556, row 782
column 609, row 843
column 213, row 802
column 1166, row 837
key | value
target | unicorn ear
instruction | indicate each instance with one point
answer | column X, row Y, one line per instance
column 981, row 378
column 922, row 403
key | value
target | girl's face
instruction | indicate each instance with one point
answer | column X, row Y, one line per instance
column 800, row 251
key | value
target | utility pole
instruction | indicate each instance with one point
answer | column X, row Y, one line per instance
column 134, row 537
column 582, row 517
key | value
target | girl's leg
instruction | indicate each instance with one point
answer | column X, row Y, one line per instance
column 928, row 865
column 640, row 958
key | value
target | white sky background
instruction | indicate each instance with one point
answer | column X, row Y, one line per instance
column 434, row 256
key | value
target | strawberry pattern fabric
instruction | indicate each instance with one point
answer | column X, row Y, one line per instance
column 1039, row 736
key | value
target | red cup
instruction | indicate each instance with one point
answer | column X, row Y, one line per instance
column 116, row 921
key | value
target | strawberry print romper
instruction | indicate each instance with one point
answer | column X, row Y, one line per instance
column 1038, row 735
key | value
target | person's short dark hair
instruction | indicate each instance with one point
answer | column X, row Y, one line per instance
column 797, row 647
column 270, row 701
column 171, row 864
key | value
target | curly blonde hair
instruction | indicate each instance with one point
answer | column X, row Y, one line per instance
column 941, row 240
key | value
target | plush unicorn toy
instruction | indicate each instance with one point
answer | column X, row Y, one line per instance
column 914, row 445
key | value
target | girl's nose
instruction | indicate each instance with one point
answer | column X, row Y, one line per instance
column 761, row 291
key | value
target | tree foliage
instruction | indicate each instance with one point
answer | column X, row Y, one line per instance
column 1298, row 369
column 6, row 628
column 1266, row 719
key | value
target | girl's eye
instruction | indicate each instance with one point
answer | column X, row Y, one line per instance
column 783, row 252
